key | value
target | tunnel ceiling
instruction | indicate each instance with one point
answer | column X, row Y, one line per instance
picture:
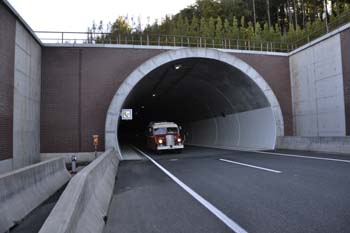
column 193, row 89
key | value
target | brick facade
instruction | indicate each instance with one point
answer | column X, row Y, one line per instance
column 345, row 46
column 78, row 85
column 7, row 59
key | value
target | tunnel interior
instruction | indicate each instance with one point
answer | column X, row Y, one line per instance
column 216, row 105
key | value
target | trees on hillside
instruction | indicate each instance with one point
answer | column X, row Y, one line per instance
column 269, row 20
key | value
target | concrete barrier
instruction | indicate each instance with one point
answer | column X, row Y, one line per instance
column 321, row 144
column 81, row 156
column 85, row 201
column 24, row 189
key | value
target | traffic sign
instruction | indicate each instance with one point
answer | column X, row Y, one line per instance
column 126, row 114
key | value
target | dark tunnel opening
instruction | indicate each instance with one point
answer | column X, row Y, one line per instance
column 216, row 105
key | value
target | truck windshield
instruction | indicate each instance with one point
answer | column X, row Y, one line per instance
column 170, row 130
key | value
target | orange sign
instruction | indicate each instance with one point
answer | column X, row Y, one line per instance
column 95, row 140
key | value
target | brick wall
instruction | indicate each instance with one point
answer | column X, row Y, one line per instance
column 78, row 85
column 7, row 53
column 345, row 47
column 77, row 88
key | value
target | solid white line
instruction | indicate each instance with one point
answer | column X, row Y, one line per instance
column 248, row 165
column 229, row 222
column 302, row 156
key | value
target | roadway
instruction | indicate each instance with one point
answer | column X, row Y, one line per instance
column 212, row 190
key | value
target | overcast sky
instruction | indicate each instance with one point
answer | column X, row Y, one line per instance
column 77, row 15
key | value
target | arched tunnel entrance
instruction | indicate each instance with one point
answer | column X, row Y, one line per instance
column 219, row 101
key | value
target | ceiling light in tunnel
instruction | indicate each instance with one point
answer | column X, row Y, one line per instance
column 177, row 67
column 153, row 95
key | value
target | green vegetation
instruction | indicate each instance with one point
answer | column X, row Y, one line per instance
column 231, row 23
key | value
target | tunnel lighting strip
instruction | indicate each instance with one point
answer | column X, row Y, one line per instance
column 300, row 156
column 252, row 166
column 226, row 220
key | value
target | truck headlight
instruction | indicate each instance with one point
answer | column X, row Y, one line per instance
column 179, row 140
column 160, row 141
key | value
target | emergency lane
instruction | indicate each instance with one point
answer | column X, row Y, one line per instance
column 310, row 195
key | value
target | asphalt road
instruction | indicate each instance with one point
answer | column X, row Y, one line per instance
column 263, row 193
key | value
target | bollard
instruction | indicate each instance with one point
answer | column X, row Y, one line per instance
column 95, row 142
column 74, row 164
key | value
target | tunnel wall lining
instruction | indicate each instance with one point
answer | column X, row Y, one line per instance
column 112, row 119
column 225, row 132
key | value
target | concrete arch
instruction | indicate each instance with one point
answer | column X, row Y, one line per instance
column 113, row 114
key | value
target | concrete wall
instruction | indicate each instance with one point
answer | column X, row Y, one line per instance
column 20, row 72
column 24, row 189
column 85, row 201
column 317, row 90
column 81, row 156
column 7, row 54
column 246, row 130
column 26, row 116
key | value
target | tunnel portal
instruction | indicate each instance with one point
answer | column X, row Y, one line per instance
column 216, row 103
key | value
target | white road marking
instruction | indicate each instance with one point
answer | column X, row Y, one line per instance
column 229, row 222
column 302, row 156
column 248, row 165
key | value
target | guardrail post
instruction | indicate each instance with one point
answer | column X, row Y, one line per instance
column 62, row 37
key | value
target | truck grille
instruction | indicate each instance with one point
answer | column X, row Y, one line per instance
column 170, row 140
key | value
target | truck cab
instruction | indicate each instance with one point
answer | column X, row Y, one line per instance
column 164, row 136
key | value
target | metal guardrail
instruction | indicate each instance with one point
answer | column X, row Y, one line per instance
column 160, row 40
column 340, row 21
column 56, row 37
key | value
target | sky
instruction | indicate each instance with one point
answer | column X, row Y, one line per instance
column 78, row 15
